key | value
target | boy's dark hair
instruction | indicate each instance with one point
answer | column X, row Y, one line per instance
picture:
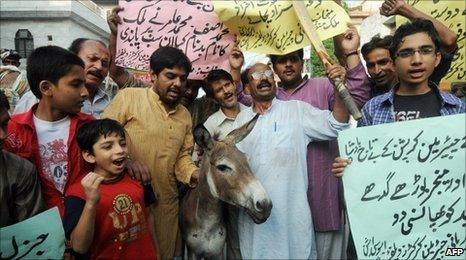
column 169, row 57
column 4, row 101
column 90, row 132
column 49, row 63
column 409, row 28
column 213, row 76
column 76, row 45
column 375, row 43
column 274, row 57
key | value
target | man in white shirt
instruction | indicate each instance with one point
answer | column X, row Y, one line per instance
column 276, row 149
column 221, row 87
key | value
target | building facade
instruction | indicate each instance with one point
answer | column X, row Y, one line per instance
column 25, row 24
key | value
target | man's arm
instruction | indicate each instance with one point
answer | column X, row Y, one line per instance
column 357, row 81
column 28, row 196
column 119, row 74
column 340, row 112
column 400, row 7
column 185, row 169
column 347, row 47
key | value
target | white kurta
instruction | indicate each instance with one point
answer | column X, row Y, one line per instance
column 276, row 151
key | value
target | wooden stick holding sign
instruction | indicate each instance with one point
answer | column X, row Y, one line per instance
column 339, row 86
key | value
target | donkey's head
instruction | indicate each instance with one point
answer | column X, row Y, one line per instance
column 228, row 174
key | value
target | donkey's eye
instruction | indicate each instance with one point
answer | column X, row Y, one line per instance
column 223, row 168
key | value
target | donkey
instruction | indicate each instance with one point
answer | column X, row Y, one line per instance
column 225, row 177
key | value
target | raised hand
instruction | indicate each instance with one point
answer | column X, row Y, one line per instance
column 91, row 183
column 351, row 39
column 392, row 7
column 113, row 19
column 236, row 58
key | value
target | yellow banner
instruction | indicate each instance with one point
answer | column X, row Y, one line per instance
column 271, row 27
column 453, row 15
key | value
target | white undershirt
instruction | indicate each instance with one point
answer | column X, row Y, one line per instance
column 53, row 149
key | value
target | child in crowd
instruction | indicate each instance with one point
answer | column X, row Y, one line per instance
column 107, row 214
column 45, row 134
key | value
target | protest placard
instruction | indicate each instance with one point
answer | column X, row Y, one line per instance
column 453, row 15
column 271, row 27
column 191, row 26
column 405, row 188
column 39, row 237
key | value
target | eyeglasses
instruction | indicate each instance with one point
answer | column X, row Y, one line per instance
column 259, row 74
column 424, row 51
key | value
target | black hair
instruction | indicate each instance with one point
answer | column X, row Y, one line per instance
column 213, row 76
column 244, row 77
column 49, row 63
column 274, row 57
column 375, row 43
column 4, row 101
column 90, row 132
column 169, row 57
column 76, row 45
column 409, row 28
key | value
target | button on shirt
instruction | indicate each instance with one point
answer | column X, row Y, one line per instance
column 276, row 149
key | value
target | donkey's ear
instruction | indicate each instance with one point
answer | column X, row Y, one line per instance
column 202, row 137
column 239, row 134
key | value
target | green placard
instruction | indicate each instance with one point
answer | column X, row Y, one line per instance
column 39, row 237
column 405, row 188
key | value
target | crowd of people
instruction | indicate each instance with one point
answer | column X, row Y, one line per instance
column 100, row 152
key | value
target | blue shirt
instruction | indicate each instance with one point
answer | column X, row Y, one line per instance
column 379, row 110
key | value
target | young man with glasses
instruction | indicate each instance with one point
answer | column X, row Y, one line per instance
column 380, row 66
column 415, row 54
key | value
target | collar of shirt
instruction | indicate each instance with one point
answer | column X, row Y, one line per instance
column 219, row 117
column 101, row 94
column 27, row 117
column 302, row 84
column 158, row 102
column 270, row 109
column 387, row 98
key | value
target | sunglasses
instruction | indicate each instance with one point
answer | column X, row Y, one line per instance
column 259, row 74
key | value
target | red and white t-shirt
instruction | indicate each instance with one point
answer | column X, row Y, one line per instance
column 53, row 148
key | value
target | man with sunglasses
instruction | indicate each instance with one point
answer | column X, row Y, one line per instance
column 415, row 54
column 380, row 66
column 276, row 149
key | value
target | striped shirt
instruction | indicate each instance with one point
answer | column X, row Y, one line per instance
column 379, row 110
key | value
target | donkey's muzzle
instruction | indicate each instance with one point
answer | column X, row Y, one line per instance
column 261, row 212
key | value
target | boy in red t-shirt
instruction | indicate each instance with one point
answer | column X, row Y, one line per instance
column 107, row 214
